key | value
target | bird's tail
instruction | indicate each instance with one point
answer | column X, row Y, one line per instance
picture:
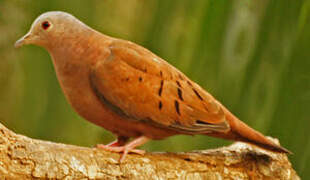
column 239, row 131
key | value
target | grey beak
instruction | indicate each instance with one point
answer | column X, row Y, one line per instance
column 22, row 41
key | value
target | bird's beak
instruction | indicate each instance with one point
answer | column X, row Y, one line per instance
column 24, row 40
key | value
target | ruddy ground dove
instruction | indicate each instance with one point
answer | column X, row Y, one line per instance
column 130, row 91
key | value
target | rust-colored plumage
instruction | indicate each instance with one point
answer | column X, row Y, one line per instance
column 130, row 91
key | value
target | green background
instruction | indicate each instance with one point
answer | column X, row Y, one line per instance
column 252, row 55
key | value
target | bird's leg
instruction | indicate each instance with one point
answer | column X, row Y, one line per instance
column 130, row 147
column 120, row 141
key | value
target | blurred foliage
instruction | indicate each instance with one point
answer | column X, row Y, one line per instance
column 252, row 55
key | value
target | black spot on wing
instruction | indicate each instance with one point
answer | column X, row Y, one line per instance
column 177, row 108
column 161, row 87
column 178, row 83
column 181, row 77
column 160, row 105
column 197, row 94
column 180, row 94
column 125, row 79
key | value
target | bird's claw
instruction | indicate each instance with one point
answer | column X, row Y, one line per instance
column 124, row 149
column 119, row 147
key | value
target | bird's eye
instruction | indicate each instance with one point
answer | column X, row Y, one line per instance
column 46, row 25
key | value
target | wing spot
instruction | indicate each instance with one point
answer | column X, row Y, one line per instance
column 160, row 105
column 140, row 79
column 178, row 83
column 177, row 108
column 181, row 77
column 161, row 87
column 180, row 94
column 189, row 83
column 126, row 79
column 197, row 94
column 161, row 74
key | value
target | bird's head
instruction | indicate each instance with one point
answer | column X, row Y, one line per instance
column 50, row 28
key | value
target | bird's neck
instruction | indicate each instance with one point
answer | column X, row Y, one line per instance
column 73, row 58
column 76, row 44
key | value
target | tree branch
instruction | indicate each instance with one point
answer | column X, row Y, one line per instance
column 25, row 158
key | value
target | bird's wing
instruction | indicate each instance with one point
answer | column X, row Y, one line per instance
column 138, row 84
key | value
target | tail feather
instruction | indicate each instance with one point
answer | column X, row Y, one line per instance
column 242, row 132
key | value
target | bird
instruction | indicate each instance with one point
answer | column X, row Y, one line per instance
column 130, row 91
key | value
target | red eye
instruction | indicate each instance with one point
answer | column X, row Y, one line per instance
column 46, row 25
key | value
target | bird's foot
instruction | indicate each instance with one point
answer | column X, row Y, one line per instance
column 125, row 149
column 120, row 141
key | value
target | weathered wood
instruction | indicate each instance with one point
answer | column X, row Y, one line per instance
column 25, row 158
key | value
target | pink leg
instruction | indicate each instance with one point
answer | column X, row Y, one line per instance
column 130, row 147
column 120, row 141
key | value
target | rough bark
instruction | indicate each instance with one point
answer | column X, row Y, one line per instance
column 25, row 158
